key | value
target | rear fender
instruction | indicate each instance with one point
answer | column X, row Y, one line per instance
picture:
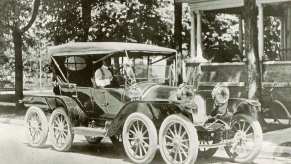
column 72, row 108
column 156, row 111
column 244, row 106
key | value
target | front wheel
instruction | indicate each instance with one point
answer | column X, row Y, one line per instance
column 139, row 136
column 178, row 140
column 247, row 140
column 36, row 127
column 61, row 130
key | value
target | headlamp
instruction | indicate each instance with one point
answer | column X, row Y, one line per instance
column 220, row 94
column 134, row 93
column 185, row 94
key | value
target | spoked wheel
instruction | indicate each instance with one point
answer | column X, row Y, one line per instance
column 93, row 140
column 247, row 140
column 61, row 130
column 178, row 140
column 36, row 127
column 276, row 113
column 207, row 152
column 139, row 137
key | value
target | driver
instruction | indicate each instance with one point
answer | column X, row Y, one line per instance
column 103, row 76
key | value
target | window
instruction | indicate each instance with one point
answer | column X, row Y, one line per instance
column 75, row 63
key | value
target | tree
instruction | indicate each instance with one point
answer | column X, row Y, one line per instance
column 112, row 20
column 18, row 17
column 251, row 47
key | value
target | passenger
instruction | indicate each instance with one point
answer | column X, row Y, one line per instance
column 103, row 76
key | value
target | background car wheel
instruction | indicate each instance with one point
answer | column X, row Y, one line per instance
column 178, row 140
column 93, row 140
column 139, row 137
column 61, row 130
column 36, row 127
column 247, row 141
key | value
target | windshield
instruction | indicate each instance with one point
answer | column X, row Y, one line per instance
column 152, row 68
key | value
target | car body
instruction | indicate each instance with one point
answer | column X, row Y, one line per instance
column 139, row 111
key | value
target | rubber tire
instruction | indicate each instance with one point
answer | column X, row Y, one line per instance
column 95, row 140
column 258, row 141
column 153, row 137
column 44, row 123
column 68, row 144
column 192, row 133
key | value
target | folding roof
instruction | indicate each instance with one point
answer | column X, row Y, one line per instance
column 103, row 48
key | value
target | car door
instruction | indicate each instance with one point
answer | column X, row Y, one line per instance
column 109, row 100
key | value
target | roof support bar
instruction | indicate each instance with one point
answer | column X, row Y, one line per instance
column 59, row 68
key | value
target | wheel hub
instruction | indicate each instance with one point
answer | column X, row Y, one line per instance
column 177, row 141
column 34, row 124
column 138, row 138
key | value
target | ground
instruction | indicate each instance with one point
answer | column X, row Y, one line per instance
column 13, row 149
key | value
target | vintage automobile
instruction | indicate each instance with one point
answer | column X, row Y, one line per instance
column 141, row 109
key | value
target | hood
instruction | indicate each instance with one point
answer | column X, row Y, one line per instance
column 156, row 92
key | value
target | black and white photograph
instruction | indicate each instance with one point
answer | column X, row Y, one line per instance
column 145, row 81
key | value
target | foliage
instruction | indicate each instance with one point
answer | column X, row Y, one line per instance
column 120, row 20
column 220, row 36
column 272, row 37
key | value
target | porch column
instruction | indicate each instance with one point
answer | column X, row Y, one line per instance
column 261, row 31
column 288, row 38
column 283, row 38
column 193, row 36
column 199, row 52
column 240, row 39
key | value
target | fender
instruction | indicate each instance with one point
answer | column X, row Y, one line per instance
column 155, row 110
column 245, row 106
column 71, row 106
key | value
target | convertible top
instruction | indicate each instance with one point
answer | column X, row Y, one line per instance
column 103, row 48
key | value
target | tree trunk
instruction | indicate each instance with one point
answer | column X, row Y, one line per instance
column 17, row 40
column 178, row 27
column 86, row 18
column 178, row 36
column 251, row 40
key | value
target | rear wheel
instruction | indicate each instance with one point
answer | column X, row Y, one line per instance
column 178, row 140
column 61, row 130
column 139, row 137
column 247, row 141
column 36, row 127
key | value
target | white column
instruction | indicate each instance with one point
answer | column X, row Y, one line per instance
column 282, row 35
column 288, row 34
column 193, row 36
column 240, row 39
column 261, row 31
column 199, row 51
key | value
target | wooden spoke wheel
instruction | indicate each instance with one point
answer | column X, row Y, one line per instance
column 36, row 127
column 61, row 130
column 139, row 137
column 178, row 140
column 247, row 140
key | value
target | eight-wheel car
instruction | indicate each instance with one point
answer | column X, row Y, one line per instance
column 140, row 107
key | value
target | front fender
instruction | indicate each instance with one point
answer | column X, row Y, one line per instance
column 156, row 111
column 244, row 106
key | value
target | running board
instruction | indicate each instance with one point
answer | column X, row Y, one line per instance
column 97, row 132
